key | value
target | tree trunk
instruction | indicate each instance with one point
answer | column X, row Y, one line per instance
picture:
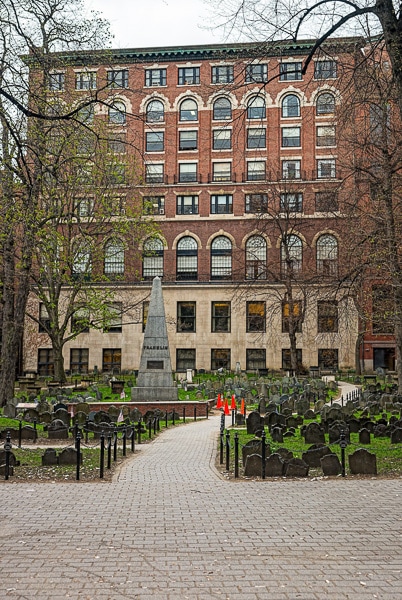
column 58, row 359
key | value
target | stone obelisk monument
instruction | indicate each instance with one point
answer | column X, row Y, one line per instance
column 155, row 381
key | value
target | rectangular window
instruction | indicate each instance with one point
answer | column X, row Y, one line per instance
column 85, row 80
column 222, row 171
column 255, row 359
column 291, row 202
column 84, row 207
column 117, row 78
column 185, row 359
column 80, row 320
column 154, row 205
column 286, row 362
column 220, row 359
column 155, row 77
column 222, row 139
column 291, row 137
column 221, row 204
column 291, row 314
column 291, row 71
column 45, row 362
column 115, row 174
column 328, row 358
column 256, row 203
column 187, row 205
column 111, row 360
column 325, row 69
column 188, row 140
column 79, row 360
column 256, row 170
column 291, row 169
column 222, row 74
column 154, row 173
column 257, row 73
column 113, row 318
column 256, row 137
column 117, row 143
column 154, row 141
column 44, row 319
column 185, row 317
column 383, row 309
column 189, row 75
column 56, row 82
column 255, row 316
column 187, row 172
column 220, row 317
column 327, row 316
column 326, row 201
column 325, row 135
column 326, row 168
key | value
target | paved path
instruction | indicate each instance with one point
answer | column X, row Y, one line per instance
column 169, row 528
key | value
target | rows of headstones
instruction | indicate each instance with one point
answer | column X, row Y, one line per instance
column 285, row 417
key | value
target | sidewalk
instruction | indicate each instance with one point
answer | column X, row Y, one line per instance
column 170, row 528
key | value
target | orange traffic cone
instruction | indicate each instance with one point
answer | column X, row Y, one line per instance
column 233, row 403
column 226, row 408
column 242, row 407
column 219, row 402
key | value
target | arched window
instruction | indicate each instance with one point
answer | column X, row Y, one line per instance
column 256, row 258
column 114, row 258
column 221, row 258
column 325, row 104
column 82, row 261
column 188, row 110
column 291, row 254
column 327, row 255
column 187, row 259
column 152, row 259
column 222, row 110
column 117, row 113
column 291, row 106
column 256, row 108
column 155, row 112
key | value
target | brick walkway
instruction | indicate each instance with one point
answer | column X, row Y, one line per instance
column 169, row 528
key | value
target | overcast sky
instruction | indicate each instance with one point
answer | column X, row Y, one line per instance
column 154, row 23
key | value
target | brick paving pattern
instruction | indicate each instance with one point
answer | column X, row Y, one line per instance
column 170, row 528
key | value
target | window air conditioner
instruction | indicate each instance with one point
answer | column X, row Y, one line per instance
column 161, row 211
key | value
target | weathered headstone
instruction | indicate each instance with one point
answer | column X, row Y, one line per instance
column 363, row 462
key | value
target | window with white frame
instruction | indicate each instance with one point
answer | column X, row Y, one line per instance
column 325, row 104
column 154, row 173
column 327, row 255
column 256, row 137
column 291, row 137
column 117, row 113
column 326, row 168
column 256, row 170
column 84, row 207
column 155, row 112
column 256, row 108
column 290, row 106
column 114, row 258
column 188, row 140
column 188, row 110
column 154, row 141
column 221, row 171
column 325, row 135
column 187, row 172
column 222, row 139
column 116, row 143
column 291, row 169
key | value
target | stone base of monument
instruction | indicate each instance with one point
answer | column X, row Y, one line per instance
column 154, row 394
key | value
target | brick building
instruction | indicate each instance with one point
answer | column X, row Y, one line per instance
column 239, row 162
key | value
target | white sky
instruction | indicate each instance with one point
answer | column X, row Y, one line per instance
column 155, row 23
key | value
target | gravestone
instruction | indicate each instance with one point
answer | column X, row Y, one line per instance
column 254, row 422
column 296, row 467
column 314, row 434
column 68, row 456
column 364, row 436
column 363, row 462
column 253, row 465
column 315, row 453
column 274, row 465
column 330, row 465
column 49, row 457
column 396, row 435
column 155, row 381
column 57, row 430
